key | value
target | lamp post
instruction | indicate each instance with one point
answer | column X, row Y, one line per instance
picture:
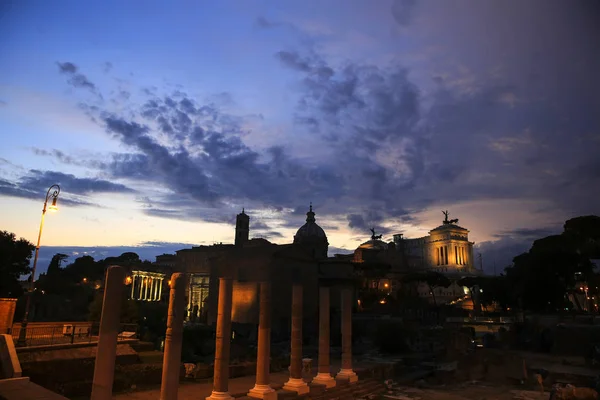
column 52, row 193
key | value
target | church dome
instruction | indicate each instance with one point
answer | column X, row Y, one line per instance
column 374, row 244
column 310, row 231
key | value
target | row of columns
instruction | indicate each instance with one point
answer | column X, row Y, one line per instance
column 150, row 288
column 109, row 329
column 262, row 388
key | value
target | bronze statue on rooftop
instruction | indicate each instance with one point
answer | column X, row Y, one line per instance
column 374, row 236
column 449, row 221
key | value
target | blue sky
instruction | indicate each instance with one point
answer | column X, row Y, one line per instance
column 161, row 120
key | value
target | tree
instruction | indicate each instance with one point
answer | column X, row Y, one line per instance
column 584, row 235
column 541, row 277
column 56, row 262
column 129, row 309
column 496, row 289
column 15, row 256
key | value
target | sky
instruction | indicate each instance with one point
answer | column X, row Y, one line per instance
column 160, row 120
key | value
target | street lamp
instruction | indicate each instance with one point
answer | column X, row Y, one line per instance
column 52, row 193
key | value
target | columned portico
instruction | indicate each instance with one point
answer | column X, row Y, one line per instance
column 296, row 383
column 146, row 286
column 262, row 389
column 346, row 371
column 324, row 374
column 223, row 337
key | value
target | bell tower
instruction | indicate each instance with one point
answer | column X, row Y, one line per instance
column 242, row 228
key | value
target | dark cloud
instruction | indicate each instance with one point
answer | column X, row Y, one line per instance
column 402, row 11
column 264, row 23
column 36, row 179
column 392, row 147
column 468, row 141
column 528, row 233
column 76, row 79
column 294, row 61
column 269, row 235
column 80, row 160
column 67, row 68
column 13, row 189
column 259, row 226
column 370, row 220
column 107, row 67
column 74, row 190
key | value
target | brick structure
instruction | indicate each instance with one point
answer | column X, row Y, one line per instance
column 7, row 314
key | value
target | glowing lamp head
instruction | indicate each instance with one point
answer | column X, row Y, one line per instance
column 53, row 207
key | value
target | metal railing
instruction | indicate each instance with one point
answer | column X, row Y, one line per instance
column 69, row 333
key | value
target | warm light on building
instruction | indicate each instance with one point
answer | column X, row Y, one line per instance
column 386, row 285
column 382, row 301
column 128, row 280
column 84, row 280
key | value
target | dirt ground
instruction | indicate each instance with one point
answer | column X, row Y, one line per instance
column 475, row 391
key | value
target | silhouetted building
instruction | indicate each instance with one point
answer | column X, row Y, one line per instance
column 242, row 228
column 312, row 237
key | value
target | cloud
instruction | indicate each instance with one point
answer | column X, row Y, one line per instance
column 389, row 148
column 107, row 67
column 76, row 79
column 402, row 11
column 264, row 23
column 74, row 191
column 36, row 179
column 528, row 233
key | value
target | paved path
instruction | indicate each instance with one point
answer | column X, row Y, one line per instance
column 196, row 391
column 23, row 389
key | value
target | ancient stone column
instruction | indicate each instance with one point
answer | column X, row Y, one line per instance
column 223, row 334
column 172, row 356
column 262, row 389
column 296, row 383
column 324, row 372
column 346, row 371
column 155, row 294
column 160, row 289
column 141, row 287
column 132, row 285
column 106, row 352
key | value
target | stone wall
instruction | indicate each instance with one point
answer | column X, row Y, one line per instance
column 7, row 314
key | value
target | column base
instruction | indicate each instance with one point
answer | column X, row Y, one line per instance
column 347, row 374
column 219, row 396
column 325, row 378
column 296, row 385
column 263, row 392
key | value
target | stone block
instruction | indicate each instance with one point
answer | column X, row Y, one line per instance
column 10, row 367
